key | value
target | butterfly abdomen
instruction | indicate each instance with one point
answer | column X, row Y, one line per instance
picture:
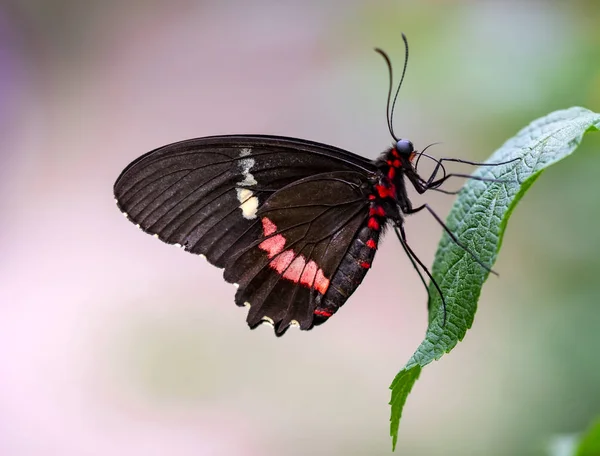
column 353, row 268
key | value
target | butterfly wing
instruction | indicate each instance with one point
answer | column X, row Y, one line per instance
column 307, row 229
column 211, row 195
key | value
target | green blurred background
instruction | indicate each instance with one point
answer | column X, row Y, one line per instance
column 112, row 343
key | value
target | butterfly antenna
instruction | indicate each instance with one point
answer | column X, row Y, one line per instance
column 400, row 83
column 389, row 95
column 389, row 111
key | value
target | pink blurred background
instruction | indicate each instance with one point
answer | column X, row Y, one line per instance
column 112, row 343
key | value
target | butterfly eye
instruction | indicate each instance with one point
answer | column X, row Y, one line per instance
column 404, row 147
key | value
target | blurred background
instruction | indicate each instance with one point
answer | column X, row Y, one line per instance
column 112, row 343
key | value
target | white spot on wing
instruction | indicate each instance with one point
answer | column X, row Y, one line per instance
column 248, row 181
column 203, row 256
column 248, row 202
column 247, row 304
column 177, row 245
column 237, row 285
column 268, row 321
column 294, row 324
column 246, row 165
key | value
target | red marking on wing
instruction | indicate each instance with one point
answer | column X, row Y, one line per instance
column 268, row 226
column 372, row 197
column 321, row 282
column 365, row 265
column 310, row 271
column 307, row 274
column 373, row 224
column 371, row 244
column 286, row 262
column 282, row 261
column 294, row 271
column 273, row 245
column 323, row 313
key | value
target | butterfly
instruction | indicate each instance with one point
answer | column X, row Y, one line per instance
column 295, row 224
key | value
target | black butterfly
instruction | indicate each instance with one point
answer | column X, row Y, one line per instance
column 294, row 223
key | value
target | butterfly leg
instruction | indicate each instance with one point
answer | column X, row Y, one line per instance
column 433, row 183
column 414, row 259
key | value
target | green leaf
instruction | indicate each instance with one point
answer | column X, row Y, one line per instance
column 590, row 441
column 401, row 386
column 478, row 218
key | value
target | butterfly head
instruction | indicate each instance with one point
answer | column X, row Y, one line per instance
column 396, row 163
column 405, row 149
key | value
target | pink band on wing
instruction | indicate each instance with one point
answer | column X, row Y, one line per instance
column 268, row 226
column 282, row 262
column 274, row 244
column 321, row 282
column 286, row 262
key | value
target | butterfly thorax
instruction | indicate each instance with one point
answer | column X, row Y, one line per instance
column 394, row 167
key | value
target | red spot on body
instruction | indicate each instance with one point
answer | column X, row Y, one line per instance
column 385, row 191
column 373, row 224
column 371, row 244
column 323, row 313
column 395, row 153
column 391, row 173
column 389, row 162
column 377, row 210
column 397, row 163
column 293, row 267
column 365, row 265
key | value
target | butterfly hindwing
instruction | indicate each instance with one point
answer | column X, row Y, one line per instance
column 307, row 228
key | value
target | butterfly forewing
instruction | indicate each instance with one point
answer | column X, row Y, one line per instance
column 189, row 192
